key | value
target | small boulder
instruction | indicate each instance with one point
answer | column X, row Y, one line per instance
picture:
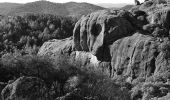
column 55, row 47
column 25, row 88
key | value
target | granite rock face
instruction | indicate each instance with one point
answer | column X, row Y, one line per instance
column 128, row 46
column 60, row 51
column 139, row 56
column 127, row 43
column 161, row 17
column 54, row 47
column 96, row 31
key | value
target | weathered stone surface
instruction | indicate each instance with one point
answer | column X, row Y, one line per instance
column 106, row 36
column 161, row 17
column 158, row 12
column 81, row 58
column 25, row 88
column 153, row 5
column 130, row 46
column 55, row 47
column 97, row 30
column 63, row 48
column 63, row 56
column 139, row 55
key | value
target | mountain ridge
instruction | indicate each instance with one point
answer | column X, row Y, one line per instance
column 5, row 7
column 112, row 5
column 47, row 7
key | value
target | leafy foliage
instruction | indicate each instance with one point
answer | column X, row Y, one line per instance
column 32, row 30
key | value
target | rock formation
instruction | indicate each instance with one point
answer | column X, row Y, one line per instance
column 54, row 47
column 25, row 88
column 128, row 40
column 96, row 31
column 64, row 55
column 130, row 45
column 138, row 56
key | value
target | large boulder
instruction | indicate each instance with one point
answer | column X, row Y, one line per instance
column 25, row 88
column 96, row 31
column 109, row 36
column 161, row 17
column 152, row 5
column 158, row 11
column 55, row 47
column 61, row 52
column 140, row 56
column 62, row 49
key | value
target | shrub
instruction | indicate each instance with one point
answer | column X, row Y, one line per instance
column 60, row 75
column 28, row 65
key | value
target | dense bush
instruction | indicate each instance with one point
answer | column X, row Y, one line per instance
column 32, row 30
column 149, row 90
column 61, row 77
column 14, row 66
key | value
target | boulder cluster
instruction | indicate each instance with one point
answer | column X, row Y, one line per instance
column 133, row 43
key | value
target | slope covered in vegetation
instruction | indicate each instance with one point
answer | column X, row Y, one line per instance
column 5, row 8
column 61, row 9
column 32, row 30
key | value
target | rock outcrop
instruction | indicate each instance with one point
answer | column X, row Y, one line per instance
column 54, row 47
column 161, row 17
column 96, row 31
column 139, row 56
column 131, row 43
column 63, row 56
column 158, row 12
column 25, row 88
column 62, row 49
column 131, row 46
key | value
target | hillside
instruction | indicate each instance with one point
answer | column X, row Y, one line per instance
column 80, row 8
column 111, row 5
column 63, row 9
column 7, row 7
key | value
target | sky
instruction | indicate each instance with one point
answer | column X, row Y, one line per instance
column 63, row 1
